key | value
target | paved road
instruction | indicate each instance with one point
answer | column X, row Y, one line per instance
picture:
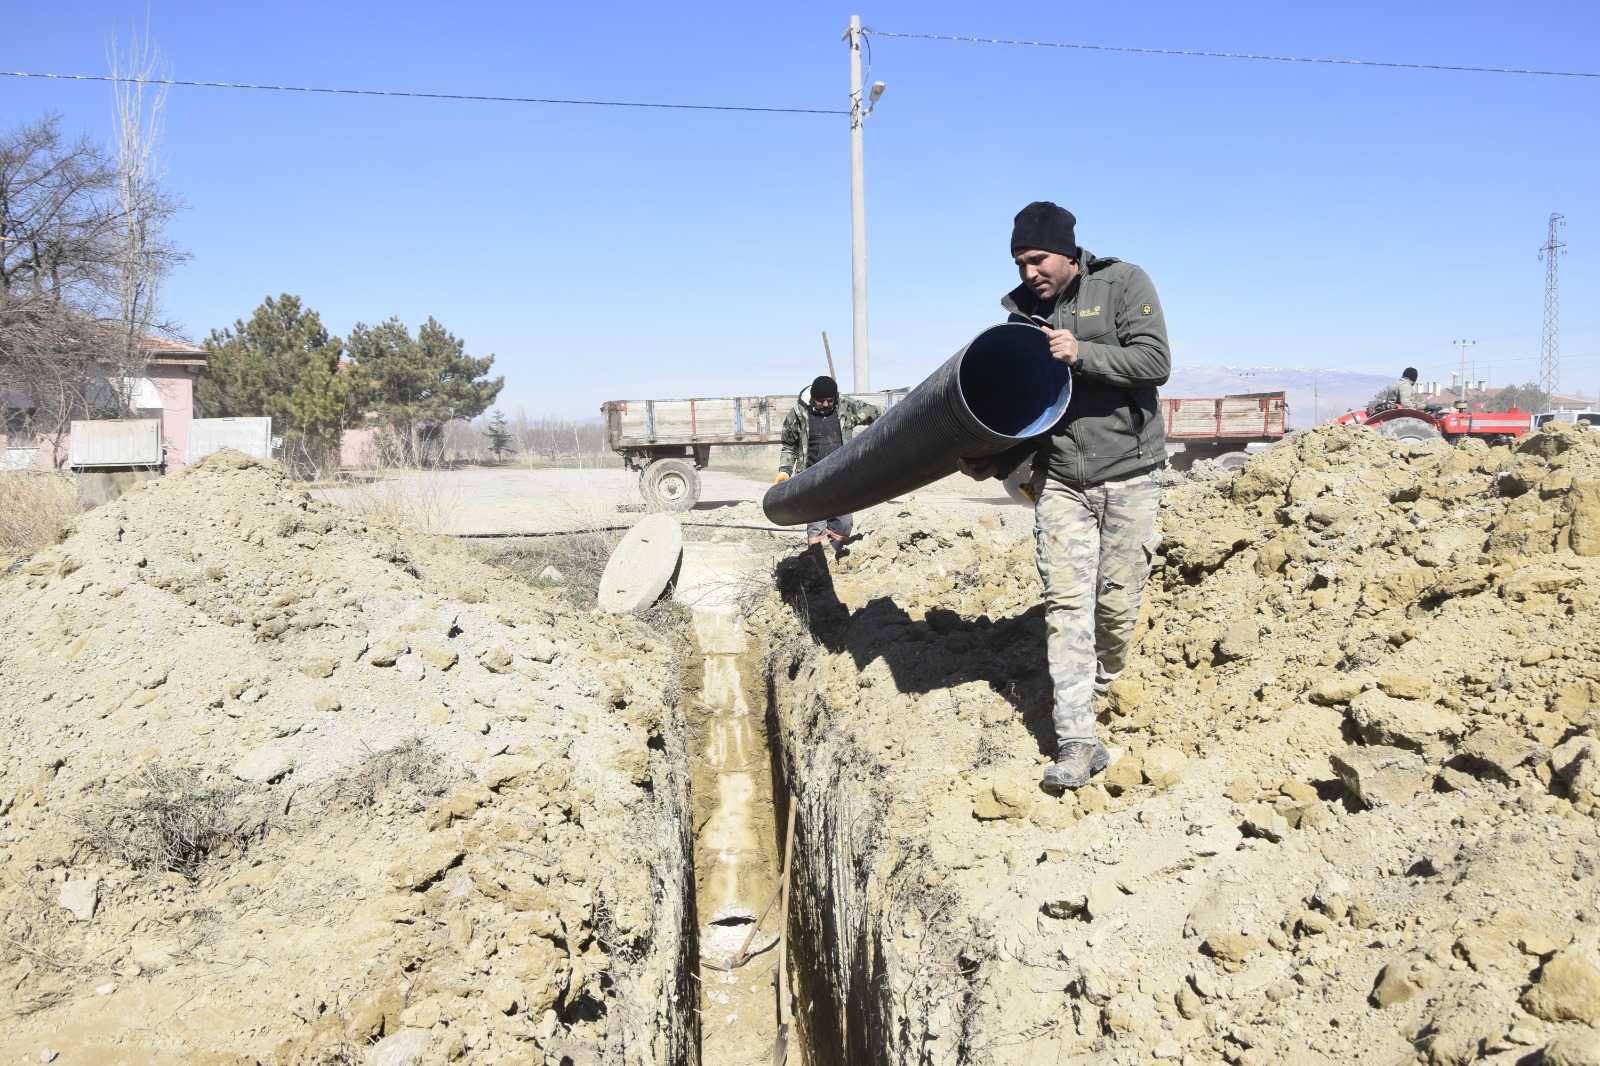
column 539, row 501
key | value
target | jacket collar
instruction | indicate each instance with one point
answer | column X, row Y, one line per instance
column 1022, row 301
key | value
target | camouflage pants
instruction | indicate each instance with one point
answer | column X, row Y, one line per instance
column 1093, row 549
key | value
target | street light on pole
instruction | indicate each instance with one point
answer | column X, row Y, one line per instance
column 858, row 209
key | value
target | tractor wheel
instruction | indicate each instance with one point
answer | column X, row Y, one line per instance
column 1413, row 430
column 670, row 485
column 1231, row 462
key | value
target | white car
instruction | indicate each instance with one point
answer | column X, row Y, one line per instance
column 1578, row 418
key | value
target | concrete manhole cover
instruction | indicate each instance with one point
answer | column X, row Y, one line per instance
column 643, row 563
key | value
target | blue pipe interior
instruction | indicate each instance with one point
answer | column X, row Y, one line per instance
column 1011, row 383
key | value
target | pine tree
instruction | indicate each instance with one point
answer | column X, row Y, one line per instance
column 282, row 364
column 416, row 385
column 499, row 434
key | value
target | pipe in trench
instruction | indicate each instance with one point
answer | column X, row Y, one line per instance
column 994, row 394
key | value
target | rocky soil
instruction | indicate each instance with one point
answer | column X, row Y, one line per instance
column 283, row 785
column 1353, row 816
column 278, row 784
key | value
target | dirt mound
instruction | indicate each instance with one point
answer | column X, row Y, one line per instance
column 279, row 782
column 1353, row 816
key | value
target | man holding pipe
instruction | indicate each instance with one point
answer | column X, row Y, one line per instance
column 1097, row 473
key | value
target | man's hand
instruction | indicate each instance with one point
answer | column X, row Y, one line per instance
column 1063, row 345
column 783, row 475
column 978, row 469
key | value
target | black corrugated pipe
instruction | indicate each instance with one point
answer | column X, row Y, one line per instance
column 998, row 391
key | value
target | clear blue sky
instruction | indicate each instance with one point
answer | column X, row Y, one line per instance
column 1290, row 214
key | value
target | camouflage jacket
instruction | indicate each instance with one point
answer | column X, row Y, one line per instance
column 797, row 429
column 1401, row 394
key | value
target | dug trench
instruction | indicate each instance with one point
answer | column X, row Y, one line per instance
column 1351, row 817
column 1352, row 811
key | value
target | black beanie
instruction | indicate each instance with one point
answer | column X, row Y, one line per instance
column 824, row 388
column 1045, row 226
column 1410, row 374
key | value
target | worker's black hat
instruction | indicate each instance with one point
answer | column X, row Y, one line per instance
column 1410, row 374
column 824, row 388
column 1045, row 226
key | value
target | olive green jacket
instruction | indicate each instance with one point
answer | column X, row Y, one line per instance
column 797, row 430
column 1113, row 426
column 1401, row 394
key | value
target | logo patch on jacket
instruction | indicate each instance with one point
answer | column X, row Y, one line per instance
column 1086, row 313
column 1147, row 310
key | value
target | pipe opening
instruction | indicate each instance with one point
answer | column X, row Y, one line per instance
column 1010, row 382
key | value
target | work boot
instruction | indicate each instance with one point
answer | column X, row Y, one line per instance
column 1076, row 762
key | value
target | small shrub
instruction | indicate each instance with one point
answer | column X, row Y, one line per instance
column 409, row 774
column 169, row 819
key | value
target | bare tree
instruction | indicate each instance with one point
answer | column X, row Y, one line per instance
column 57, row 269
column 546, row 438
column 63, row 236
column 554, row 438
column 140, row 90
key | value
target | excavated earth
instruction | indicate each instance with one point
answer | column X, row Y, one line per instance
column 1352, row 816
column 279, row 784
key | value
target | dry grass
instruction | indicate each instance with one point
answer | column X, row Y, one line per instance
column 571, row 562
column 424, row 500
column 326, row 1048
column 404, row 777
column 580, row 561
column 757, row 469
column 168, row 820
column 34, row 505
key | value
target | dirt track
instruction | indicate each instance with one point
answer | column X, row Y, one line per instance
column 534, row 501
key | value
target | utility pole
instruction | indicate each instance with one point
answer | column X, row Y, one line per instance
column 859, row 110
column 1461, row 400
column 1550, row 355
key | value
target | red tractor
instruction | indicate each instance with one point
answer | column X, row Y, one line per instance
column 1434, row 423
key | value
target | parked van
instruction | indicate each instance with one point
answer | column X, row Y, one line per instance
column 1579, row 418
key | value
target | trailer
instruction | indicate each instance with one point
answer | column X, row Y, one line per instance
column 1218, row 427
column 669, row 441
column 1221, row 428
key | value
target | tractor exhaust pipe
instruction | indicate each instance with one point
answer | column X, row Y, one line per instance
column 995, row 393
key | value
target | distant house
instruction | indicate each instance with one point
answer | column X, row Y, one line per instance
column 1433, row 392
column 358, row 445
column 1570, row 403
column 164, row 391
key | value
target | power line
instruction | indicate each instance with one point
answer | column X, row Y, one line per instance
column 429, row 96
column 1237, row 55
